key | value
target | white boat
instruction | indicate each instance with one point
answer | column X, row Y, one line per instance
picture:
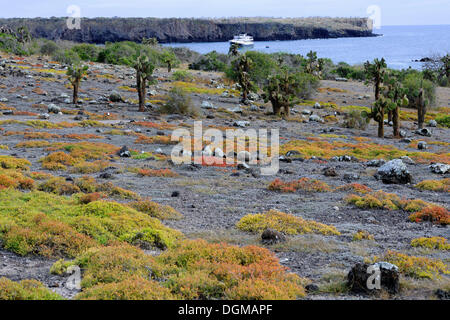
column 243, row 40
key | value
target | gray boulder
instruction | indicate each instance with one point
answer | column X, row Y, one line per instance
column 316, row 118
column 208, row 105
column 270, row 236
column 115, row 97
column 432, row 123
column 360, row 278
column 440, row 168
column 424, row 132
column 394, row 172
column 52, row 108
column 375, row 163
column 422, row 145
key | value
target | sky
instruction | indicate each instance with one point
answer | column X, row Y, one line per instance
column 391, row 12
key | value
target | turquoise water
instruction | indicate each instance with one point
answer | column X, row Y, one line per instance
column 399, row 45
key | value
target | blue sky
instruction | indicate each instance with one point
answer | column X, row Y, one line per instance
column 393, row 12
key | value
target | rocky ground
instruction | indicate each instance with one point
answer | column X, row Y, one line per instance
column 213, row 199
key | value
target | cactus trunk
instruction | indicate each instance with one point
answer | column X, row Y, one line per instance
column 395, row 120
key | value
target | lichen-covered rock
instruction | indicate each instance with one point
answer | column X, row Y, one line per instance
column 424, row 132
column 208, row 105
column 394, row 172
column 440, row 168
column 375, row 163
column 115, row 97
column 422, row 145
column 270, row 236
column 432, row 123
column 362, row 278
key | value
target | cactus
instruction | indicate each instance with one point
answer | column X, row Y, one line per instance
column 375, row 73
column 169, row 59
column 391, row 97
column 421, row 103
column 150, row 41
column 234, row 50
column 282, row 91
column 244, row 65
column 76, row 73
column 313, row 65
column 144, row 70
column 396, row 98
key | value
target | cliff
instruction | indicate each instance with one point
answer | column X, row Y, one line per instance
column 100, row 30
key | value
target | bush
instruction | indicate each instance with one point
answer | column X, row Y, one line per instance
column 86, row 52
column 344, row 70
column 355, row 120
column 443, row 120
column 134, row 288
column 49, row 48
column 416, row 267
column 212, row 61
column 9, row 44
column 263, row 66
column 305, row 184
column 438, row 243
column 413, row 82
column 179, row 101
column 182, row 75
column 283, row 222
column 25, row 290
column 66, row 57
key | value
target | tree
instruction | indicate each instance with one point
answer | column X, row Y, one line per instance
column 421, row 103
column 144, row 70
column 244, row 65
column 234, row 50
column 76, row 73
column 396, row 97
column 285, row 89
column 150, row 41
column 377, row 113
column 375, row 73
column 312, row 64
column 169, row 58
column 23, row 35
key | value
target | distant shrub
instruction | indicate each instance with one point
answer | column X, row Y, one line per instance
column 344, row 70
column 434, row 185
column 413, row 82
column 212, row 61
column 433, row 214
column 25, row 290
column 49, row 48
column 66, row 57
column 134, row 288
column 86, row 52
column 157, row 173
column 156, row 210
column 355, row 120
column 443, row 120
column 438, row 243
column 10, row 44
column 179, row 101
column 305, row 184
column 416, row 267
column 362, row 235
column 119, row 53
column 283, row 222
column 182, row 75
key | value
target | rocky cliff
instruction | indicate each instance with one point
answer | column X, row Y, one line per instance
column 100, row 30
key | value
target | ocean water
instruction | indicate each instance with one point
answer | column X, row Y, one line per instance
column 399, row 45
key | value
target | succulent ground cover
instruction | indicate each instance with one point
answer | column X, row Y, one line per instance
column 142, row 227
